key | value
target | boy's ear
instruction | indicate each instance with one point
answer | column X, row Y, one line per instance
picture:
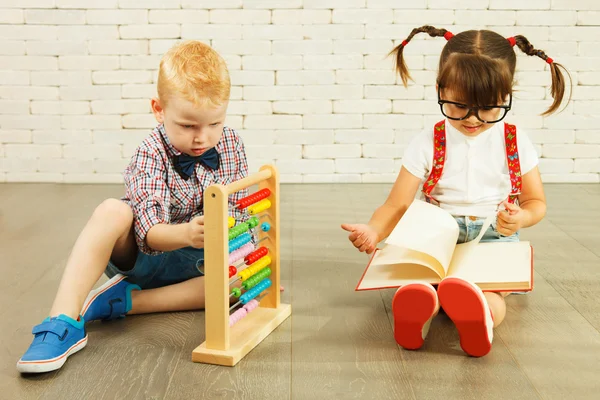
column 158, row 110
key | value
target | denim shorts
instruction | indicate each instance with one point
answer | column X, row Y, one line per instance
column 470, row 227
column 165, row 269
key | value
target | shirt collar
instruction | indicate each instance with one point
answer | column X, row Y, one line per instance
column 171, row 150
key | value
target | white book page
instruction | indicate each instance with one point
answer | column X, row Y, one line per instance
column 427, row 229
column 505, row 263
column 383, row 275
column 399, row 256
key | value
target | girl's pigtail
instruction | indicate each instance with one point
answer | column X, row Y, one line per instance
column 398, row 50
column 557, row 90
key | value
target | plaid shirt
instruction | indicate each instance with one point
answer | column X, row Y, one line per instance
column 157, row 194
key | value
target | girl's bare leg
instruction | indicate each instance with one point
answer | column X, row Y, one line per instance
column 497, row 305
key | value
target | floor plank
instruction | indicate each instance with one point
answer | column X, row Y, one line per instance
column 341, row 340
column 132, row 358
column 553, row 344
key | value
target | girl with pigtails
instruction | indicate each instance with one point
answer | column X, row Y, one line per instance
column 472, row 164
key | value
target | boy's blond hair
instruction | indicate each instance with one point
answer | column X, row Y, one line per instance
column 195, row 71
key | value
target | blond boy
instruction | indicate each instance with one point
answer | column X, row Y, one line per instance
column 151, row 242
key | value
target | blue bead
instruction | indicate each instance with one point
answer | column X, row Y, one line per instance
column 265, row 227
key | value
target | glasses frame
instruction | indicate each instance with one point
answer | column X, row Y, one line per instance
column 473, row 110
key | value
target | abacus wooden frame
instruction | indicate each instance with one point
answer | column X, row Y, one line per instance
column 225, row 346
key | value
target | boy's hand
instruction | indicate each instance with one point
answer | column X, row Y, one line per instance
column 362, row 236
column 195, row 231
column 511, row 219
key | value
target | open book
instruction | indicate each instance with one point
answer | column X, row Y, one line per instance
column 422, row 247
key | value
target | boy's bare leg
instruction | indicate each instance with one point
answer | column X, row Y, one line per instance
column 497, row 305
column 188, row 295
column 108, row 232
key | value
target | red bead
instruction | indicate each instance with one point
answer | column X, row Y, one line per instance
column 232, row 271
column 256, row 255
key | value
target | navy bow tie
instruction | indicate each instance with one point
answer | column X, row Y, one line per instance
column 185, row 164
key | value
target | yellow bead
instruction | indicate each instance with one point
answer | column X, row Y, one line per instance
column 255, row 268
column 259, row 207
column 230, row 222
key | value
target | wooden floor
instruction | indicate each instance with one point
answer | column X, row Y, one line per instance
column 338, row 343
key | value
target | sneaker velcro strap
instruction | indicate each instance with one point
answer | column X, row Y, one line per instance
column 114, row 311
column 50, row 326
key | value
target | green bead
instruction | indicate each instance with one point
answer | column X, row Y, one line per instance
column 253, row 222
column 236, row 292
column 250, row 282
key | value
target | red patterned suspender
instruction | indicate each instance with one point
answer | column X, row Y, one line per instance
column 512, row 159
column 439, row 157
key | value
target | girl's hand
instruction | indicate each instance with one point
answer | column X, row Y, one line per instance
column 195, row 232
column 510, row 220
column 362, row 236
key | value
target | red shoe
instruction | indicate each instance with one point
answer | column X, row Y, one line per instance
column 467, row 307
column 414, row 306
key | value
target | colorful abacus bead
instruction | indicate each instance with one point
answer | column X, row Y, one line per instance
column 230, row 222
column 251, row 305
column 255, row 291
column 236, row 292
column 237, row 315
column 259, row 207
column 232, row 271
column 254, row 268
column 256, row 255
column 256, row 278
column 253, row 222
column 265, row 227
column 240, row 253
column 253, row 198
column 239, row 241
column 238, row 230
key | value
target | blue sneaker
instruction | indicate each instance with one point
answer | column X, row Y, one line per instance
column 111, row 300
column 55, row 339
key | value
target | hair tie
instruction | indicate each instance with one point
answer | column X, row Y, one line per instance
column 512, row 41
column 549, row 60
column 404, row 43
column 448, row 35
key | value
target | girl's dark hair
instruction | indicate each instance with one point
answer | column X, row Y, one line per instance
column 479, row 66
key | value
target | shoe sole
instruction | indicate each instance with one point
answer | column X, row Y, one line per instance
column 39, row 366
column 413, row 307
column 466, row 306
column 97, row 292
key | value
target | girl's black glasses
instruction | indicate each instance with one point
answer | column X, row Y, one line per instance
column 486, row 114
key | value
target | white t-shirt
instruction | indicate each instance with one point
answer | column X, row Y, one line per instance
column 475, row 178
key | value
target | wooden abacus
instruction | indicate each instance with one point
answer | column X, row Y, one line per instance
column 225, row 344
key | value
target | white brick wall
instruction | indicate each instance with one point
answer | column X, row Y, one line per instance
column 312, row 85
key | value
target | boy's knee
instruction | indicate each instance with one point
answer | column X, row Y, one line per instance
column 114, row 210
